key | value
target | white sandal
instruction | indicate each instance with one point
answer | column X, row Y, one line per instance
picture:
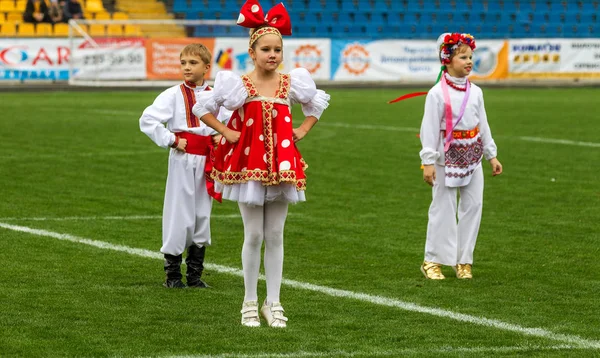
column 249, row 313
column 273, row 313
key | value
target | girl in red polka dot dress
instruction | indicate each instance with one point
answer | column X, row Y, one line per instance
column 257, row 162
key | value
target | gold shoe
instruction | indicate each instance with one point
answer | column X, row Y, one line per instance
column 463, row 271
column 432, row 270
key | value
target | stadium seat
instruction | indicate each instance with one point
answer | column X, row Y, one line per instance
column 96, row 30
column 61, row 30
column 7, row 6
column 16, row 17
column 43, row 30
column 132, row 30
column 26, row 30
column 119, row 15
column 94, row 6
column 102, row 16
column 2, row 18
column 8, row 29
column 20, row 5
column 114, row 30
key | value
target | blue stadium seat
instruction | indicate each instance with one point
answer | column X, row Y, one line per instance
column 332, row 5
column 381, row 5
column 493, row 6
column 557, row 6
column 315, row 5
column 572, row 18
column 588, row 6
column 509, row 5
column 349, row 5
column 180, row 6
column 589, row 18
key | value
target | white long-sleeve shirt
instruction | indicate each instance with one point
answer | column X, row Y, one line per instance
column 434, row 120
column 168, row 115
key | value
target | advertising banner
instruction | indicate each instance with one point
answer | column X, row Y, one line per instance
column 554, row 58
column 385, row 60
column 110, row 59
column 231, row 54
column 162, row 56
column 490, row 60
column 403, row 60
column 34, row 59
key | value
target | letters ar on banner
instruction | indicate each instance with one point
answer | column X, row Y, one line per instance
column 34, row 59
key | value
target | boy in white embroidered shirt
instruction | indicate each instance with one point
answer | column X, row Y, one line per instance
column 188, row 202
column 454, row 135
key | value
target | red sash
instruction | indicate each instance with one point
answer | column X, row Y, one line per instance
column 202, row 145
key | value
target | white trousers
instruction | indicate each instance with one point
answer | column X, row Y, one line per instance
column 186, row 211
column 263, row 223
column 452, row 230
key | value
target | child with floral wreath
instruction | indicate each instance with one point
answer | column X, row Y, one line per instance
column 455, row 135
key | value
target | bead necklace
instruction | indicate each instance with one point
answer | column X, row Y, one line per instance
column 463, row 89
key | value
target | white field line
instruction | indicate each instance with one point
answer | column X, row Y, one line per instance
column 88, row 218
column 388, row 353
column 110, row 153
column 131, row 217
column 560, row 141
column 417, row 130
column 378, row 300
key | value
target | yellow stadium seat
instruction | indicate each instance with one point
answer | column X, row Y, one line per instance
column 118, row 15
column 94, row 6
column 43, row 30
column 20, row 5
column 2, row 18
column 7, row 6
column 61, row 30
column 26, row 30
column 132, row 30
column 96, row 30
column 8, row 29
column 102, row 16
column 114, row 30
column 14, row 17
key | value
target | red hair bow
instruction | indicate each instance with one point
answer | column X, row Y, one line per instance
column 252, row 16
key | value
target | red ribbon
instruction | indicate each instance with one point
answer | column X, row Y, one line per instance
column 407, row 96
column 210, row 183
column 252, row 16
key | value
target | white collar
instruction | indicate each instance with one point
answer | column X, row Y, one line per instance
column 460, row 81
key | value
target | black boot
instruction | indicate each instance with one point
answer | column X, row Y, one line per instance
column 173, row 271
column 195, row 266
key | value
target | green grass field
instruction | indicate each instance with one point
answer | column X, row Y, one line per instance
column 81, row 197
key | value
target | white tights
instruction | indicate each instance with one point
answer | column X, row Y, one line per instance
column 263, row 223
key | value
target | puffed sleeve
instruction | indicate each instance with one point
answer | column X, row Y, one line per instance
column 490, row 150
column 228, row 91
column 304, row 91
column 154, row 117
column 430, row 128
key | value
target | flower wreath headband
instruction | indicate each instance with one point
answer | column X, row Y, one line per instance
column 277, row 21
column 447, row 43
